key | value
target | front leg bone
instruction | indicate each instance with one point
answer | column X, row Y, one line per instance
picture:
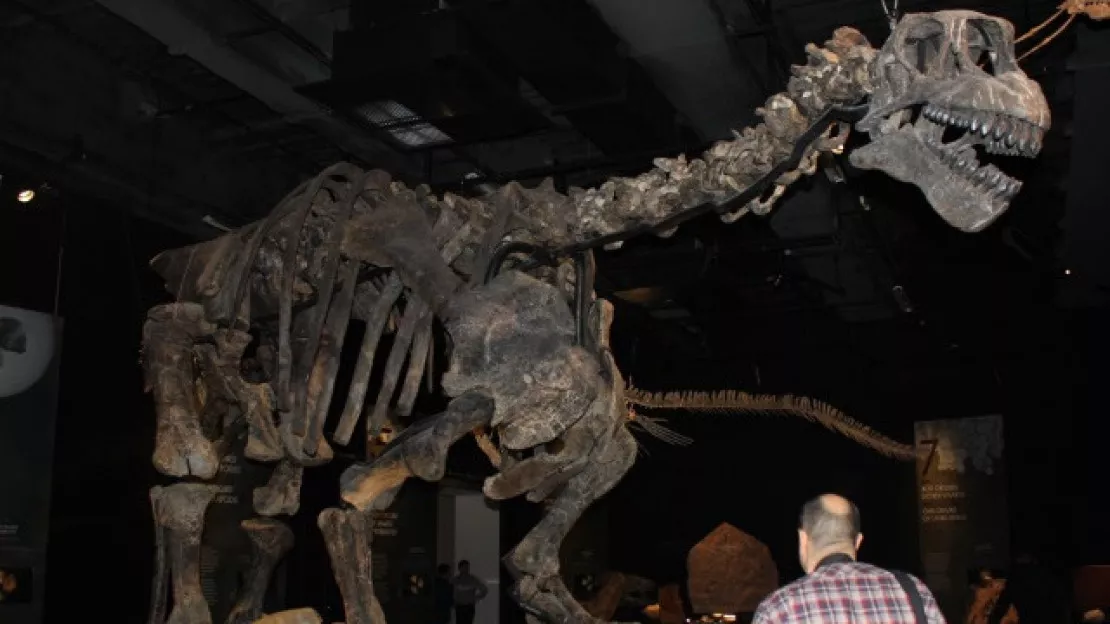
column 348, row 535
column 420, row 451
column 270, row 540
column 180, row 509
column 180, row 448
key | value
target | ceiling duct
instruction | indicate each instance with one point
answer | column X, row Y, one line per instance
column 427, row 69
column 185, row 34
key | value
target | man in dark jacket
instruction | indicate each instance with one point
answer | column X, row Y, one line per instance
column 444, row 594
column 469, row 590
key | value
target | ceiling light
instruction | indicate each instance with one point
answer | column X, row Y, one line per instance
column 25, row 196
column 1067, row 271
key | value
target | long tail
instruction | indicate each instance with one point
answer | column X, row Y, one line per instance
column 735, row 402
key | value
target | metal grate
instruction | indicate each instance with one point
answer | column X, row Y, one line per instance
column 402, row 124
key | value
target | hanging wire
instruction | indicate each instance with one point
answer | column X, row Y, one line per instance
column 1047, row 40
column 891, row 12
column 1039, row 27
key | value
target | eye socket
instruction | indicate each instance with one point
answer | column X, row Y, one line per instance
column 986, row 45
column 923, row 52
column 924, row 41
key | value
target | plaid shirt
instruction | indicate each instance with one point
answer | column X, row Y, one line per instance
column 846, row 592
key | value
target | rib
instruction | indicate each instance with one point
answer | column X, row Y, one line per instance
column 416, row 313
column 376, row 320
column 321, row 382
column 418, row 355
column 289, row 265
column 375, row 325
column 318, row 314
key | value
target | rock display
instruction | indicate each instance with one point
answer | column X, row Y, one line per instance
column 729, row 572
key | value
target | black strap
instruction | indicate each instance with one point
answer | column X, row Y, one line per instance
column 910, row 588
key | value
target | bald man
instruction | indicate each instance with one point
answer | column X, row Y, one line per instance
column 838, row 589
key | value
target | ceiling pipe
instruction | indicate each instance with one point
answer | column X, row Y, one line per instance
column 182, row 34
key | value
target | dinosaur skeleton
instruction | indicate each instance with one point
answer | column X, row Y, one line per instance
column 261, row 314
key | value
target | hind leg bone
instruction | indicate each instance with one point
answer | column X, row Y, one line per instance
column 534, row 563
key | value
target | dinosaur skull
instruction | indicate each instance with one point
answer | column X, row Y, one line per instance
column 949, row 95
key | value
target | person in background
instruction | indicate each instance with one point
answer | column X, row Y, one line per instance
column 1035, row 591
column 444, row 594
column 838, row 589
column 469, row 590
column 985, row 606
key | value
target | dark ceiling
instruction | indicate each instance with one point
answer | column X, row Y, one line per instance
column 201, row 114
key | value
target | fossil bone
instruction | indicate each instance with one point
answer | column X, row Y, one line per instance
column 179, row 509
column 929, row 82
column 292, row 616
column 529, row 369
column 282, row 493
column 180, row 448
column 270, row 540
column 348, row 535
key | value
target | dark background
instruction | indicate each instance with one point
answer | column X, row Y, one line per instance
column 992, row 331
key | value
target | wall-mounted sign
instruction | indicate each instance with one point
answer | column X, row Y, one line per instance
column 961, row 493
column 29, row 358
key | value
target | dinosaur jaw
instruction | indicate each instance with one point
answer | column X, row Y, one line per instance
column 949, row 155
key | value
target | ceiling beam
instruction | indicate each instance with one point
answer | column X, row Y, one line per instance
column 183, row 34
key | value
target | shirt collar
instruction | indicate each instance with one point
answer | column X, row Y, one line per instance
column 834, row 558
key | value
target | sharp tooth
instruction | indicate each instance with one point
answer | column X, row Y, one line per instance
column 974, row 124
column 1000, row 129
column 944, row 116
column 988, row 125
column 1011, row 140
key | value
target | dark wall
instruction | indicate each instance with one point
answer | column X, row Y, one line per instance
column 985, row 337
column 30, row 236
column 101, row 538
column 1085, row 250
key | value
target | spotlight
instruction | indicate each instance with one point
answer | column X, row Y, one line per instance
column 1067, row 271
column 25, row 196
